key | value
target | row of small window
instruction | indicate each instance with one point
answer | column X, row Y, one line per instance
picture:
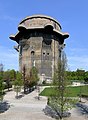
column 44, row 53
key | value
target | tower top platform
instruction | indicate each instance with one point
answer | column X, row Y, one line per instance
column 39, row 23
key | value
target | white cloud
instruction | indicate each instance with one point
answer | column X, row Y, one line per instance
column 9, row 58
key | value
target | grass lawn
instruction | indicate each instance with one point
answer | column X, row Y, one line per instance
column 71, row 91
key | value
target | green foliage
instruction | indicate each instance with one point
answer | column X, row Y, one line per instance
column 34, row 73
column 1, row 88
column 9, row 75
column 60, row 80
column 55, row 78
column 1, row 82
column 68, row 103
column 86, row 77
column 18, row 83
column 18, row 76
column 33, row 78
column 17, row 86
column 80, row 74
column 30, row 79
column 60, row 100
column 77, row 75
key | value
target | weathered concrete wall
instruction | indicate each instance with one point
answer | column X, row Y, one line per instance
column 41, row 52
column 39, row 38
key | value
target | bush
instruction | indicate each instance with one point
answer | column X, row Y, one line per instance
column 84, row 95
column 6, row 86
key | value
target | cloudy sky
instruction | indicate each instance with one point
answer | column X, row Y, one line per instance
column 71, row 14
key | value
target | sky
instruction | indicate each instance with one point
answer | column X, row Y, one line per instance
column 71, row 14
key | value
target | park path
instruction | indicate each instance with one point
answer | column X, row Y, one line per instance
column 30, row 108
column 77, row 115
column 26, row 108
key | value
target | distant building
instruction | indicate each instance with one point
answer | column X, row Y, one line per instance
column 40, row 41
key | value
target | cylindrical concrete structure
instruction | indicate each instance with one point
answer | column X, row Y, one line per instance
column 39, row 38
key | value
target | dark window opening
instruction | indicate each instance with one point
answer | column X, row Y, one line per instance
column 32, row 52
column 47, row 53
column 43, row 53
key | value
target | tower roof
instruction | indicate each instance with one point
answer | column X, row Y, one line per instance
column 38, row 22
column 40, row 16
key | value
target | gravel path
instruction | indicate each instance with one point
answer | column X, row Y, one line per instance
column 77, row 115
column 26, row 108
column 30, row 108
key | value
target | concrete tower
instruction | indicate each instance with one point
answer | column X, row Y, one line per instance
column 39, row 38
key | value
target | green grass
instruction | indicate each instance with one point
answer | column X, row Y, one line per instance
column 48, row 92
column 71, row 91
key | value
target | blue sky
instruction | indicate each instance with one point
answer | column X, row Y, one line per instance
column 72, row 15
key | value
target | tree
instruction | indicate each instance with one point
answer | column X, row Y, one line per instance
column 18, row 83
column 1, row 89
column 61, row 77
column 6, row 78
column 86, row 77
column 12, row 74
column 80, row 74
column 1, row 82
column 24, row 78
column 34, row 76
column 60, row 102
column 30, row 79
